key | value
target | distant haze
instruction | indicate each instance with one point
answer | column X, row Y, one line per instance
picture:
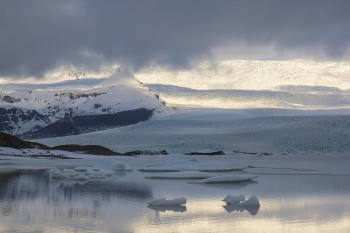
column 37, row 36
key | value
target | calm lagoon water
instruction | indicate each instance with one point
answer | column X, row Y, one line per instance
column 31, row 202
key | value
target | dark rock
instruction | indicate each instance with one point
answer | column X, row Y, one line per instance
column 220, row 152
column 7, row 140
column 9, row 119
column 245, row 153
column 86, row 149
column 146, row 152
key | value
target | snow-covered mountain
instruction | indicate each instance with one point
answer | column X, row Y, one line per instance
column 261, row 95
column 27, row 107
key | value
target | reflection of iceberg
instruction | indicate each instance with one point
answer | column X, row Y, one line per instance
column 168, row 208
column 104, row 188
column 253, row 210
column 171, row 202
column 239, row 204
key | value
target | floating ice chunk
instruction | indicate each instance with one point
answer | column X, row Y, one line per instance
column 193, row 167
column 234, row 199
column 229, row 178
column 70, row 173
column 80, row 173
column 81, row 177
column 231, row 167
column 252, row 201
column 171, row 202
column 56, row 174
column 171, row 168
column 182, row 175
column 113, row 165
column 94, row 173
column 81, row 169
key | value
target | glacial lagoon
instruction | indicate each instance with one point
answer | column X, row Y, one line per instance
column 32, row 202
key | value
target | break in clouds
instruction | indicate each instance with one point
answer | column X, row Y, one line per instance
column 37, row 36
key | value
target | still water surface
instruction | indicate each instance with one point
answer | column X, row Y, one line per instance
column 31, row 202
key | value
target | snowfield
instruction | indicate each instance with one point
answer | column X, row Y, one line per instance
column 297, row 84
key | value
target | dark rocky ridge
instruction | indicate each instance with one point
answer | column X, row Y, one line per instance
column 7, row 140
column 220, row 152
column 86, row 149
column 83, row 124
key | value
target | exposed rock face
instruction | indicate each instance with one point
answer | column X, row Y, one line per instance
column 89, row 123
column 13, row 120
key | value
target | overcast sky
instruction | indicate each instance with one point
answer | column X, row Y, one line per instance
column 38, row 35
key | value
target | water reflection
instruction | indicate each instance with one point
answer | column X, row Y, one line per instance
column 253, row 210
column 30, row 202
column 178, row 209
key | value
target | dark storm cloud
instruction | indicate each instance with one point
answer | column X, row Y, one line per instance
column 38, row 35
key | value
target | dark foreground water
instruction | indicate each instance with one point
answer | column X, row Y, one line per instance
column 30, row 202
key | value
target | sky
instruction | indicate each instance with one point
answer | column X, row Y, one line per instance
column 37, row 36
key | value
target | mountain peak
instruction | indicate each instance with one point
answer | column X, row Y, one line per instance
column 122, row 76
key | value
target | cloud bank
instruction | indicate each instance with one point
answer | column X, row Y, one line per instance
column 37, row 36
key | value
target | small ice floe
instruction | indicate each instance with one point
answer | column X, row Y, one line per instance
column 170, row 168
column 240, row 200
column 229, row 178
column 113, row 165
column 193, row 167
column 252, row 201
column 222, row 168
column 239, row 203
column 182, row 175
column 79, row 173
column 171, row 202
column 179, row 209
column 56, row 174
column 234, row 199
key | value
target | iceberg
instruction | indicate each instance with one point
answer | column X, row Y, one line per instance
column 234, row 199
column 193, row 167
column 113, row 165
column 229, row 178
column 182, row 175
column 251, row 202
column 171, row 202
column 55, row 173
column 80, row 173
